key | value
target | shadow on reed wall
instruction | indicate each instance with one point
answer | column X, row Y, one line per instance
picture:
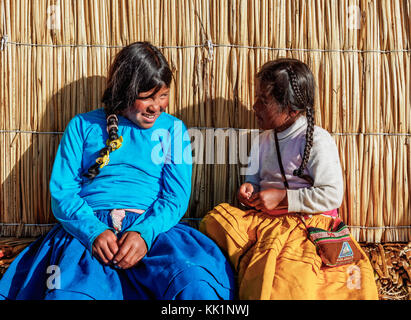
column 215, row 179
column 27, row 210
column 220, row 154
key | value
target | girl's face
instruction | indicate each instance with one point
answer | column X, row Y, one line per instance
column 146, row 109
column 268, row 111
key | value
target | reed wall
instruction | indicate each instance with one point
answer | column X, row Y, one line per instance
column 55, row 55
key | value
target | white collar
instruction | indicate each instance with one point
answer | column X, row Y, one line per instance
column 297, row 125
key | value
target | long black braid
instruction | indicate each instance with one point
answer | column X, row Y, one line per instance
column 309, row 112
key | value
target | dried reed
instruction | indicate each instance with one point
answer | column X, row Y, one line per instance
column 56, row 58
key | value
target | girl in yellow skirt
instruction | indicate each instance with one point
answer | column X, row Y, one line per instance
column 268, row 244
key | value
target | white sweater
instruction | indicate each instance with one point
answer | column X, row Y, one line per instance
column 323, row 166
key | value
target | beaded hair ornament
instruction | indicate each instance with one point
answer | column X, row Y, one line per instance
column 112, row 145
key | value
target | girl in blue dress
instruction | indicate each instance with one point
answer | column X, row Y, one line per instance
column 120, row 184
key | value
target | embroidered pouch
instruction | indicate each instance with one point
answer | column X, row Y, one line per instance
column 334, row 246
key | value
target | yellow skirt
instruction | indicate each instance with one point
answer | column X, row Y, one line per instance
column 274, row 259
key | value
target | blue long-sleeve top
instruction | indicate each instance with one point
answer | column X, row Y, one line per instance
column 150, row 171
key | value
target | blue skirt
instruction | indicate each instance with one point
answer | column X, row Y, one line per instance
column 181, row 264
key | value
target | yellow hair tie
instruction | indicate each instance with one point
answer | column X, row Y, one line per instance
column 103, row 161
column 115, row 144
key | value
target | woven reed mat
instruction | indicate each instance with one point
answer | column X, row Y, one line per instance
column 391, row 263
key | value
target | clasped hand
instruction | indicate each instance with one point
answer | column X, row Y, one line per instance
column 125, row 252
column 267, row 200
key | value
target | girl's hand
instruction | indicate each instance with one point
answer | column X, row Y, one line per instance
column 132, row 248
column 245, row 192
column 269, row 199
column 105, row 246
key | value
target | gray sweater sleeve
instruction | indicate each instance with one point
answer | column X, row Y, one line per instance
column 325, row 168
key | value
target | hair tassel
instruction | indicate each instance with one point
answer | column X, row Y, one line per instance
column 104, row 160
column 115, row 144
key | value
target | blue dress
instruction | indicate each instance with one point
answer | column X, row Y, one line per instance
column 181, row 264
column 151, row 172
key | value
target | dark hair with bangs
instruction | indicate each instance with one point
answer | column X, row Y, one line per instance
column 138, row 67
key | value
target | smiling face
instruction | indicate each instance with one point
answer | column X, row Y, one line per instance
column 269, row 113
column 148, row 107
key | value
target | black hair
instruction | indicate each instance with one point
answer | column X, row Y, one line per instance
column 138, row 67
column 291, row 83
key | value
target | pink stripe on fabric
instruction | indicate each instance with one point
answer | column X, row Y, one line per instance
column 117, row 216
column 325, row 234
column 334, row 240
column 139, row 211
column 332, row 213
